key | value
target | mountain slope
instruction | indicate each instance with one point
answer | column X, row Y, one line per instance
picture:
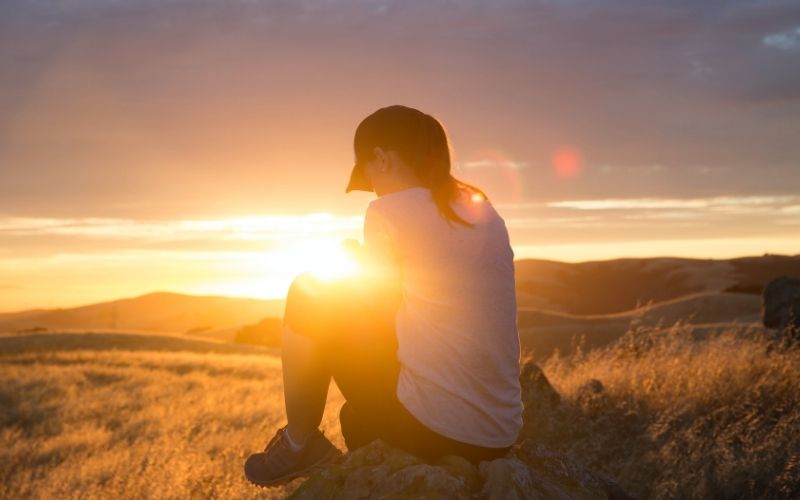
column 156, row 312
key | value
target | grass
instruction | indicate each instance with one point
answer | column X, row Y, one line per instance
column 122, row 424
column 665, row 413
column 671, row 416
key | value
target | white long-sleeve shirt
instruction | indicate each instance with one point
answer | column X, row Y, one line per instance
column 456, row 326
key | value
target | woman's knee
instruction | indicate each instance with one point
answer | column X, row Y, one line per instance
column 306, row 310
column 316, row 307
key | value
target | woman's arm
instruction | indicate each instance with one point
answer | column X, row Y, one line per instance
column 380, row 256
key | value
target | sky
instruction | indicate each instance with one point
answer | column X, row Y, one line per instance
column 204, row 146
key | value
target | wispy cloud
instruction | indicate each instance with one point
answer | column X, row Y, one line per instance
column 719, row 202
column 492, row 164
column 784, row 40
column 237, row 228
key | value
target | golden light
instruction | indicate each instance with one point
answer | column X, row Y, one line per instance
column 328, row 261
column 477, row 197
column 268, row 274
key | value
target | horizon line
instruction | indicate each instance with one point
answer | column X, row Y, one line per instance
column 282, row 297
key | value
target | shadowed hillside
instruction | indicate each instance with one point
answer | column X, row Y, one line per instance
column 619, row 285
column 543, row 332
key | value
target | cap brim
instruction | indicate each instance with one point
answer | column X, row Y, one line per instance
column 358, row 180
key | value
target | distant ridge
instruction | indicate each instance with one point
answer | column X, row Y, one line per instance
column 166, row 312
column 550, row 294
column 619, row 285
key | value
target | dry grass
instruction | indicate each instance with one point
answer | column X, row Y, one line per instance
column 680, row 417
column 123, row 424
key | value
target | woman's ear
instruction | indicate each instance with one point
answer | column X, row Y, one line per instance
column 382, row 158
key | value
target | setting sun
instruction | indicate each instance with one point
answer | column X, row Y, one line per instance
column 326, row 260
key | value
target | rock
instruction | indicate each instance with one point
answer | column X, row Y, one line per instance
column 529, row 471
column 562, row 473
column 506, row 479
column 542, row 402
column 780, row 305
column 591, row 397
column 536, row 388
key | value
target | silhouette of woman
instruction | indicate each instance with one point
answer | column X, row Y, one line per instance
column 424, row 345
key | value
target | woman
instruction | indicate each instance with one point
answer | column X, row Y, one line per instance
column 424, row 347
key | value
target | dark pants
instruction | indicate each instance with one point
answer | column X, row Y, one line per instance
column 352, row 320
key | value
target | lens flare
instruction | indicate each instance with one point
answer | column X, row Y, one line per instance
column 567, row 161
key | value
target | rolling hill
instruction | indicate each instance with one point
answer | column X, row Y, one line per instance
column 153, row 312
column 619, row 285
column 558, row 302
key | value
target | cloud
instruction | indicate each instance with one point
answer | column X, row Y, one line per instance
column 747, row 202
column 239, row 228
column 201, row 107
column 786, row 40
column 492, row 164
column 39, row 238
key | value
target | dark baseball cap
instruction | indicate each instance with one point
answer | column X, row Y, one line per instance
column 393, row 128
column 359, row 180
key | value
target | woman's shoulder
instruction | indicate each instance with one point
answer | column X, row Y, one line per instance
column 417, row 195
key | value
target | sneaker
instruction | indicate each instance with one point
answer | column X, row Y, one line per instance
column 279, row 463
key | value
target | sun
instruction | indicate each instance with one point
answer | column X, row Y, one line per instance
column 268, row 275
column 324, row 259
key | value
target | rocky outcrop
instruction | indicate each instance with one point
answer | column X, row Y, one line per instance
column 780, row 306
column 529, row 471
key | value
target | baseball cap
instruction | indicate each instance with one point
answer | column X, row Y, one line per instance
column 359, row 180
column 397, row 128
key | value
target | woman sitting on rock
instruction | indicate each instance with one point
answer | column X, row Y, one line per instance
column 423, row 345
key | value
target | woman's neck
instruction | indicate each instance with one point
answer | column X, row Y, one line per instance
column 398, row 185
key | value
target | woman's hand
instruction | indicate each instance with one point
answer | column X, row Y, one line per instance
column 383, row 280
column 354, row 249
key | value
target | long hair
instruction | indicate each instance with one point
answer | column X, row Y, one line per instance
column 422, row 143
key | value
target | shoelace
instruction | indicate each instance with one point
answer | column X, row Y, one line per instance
column 280, row 454
column 274, row 439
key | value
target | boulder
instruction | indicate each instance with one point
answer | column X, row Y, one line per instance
column 780, row 305
column 528, row 471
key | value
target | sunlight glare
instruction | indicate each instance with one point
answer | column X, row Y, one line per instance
column 327, row 260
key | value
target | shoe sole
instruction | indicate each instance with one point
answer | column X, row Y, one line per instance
column 321, row 464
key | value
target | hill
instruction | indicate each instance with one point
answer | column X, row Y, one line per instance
column 558, row 303
column 154, row 312
column 543, row 332
column 619, row 285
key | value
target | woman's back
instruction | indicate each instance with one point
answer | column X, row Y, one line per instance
column 456, row 324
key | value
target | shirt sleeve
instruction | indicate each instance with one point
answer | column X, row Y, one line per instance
column 381, row 256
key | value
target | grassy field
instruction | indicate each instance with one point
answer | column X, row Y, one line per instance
column 93, row 421
column 97, row 416
column 671, row 416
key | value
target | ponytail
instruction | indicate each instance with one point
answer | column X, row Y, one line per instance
column 421, row 141
column 444, row 187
